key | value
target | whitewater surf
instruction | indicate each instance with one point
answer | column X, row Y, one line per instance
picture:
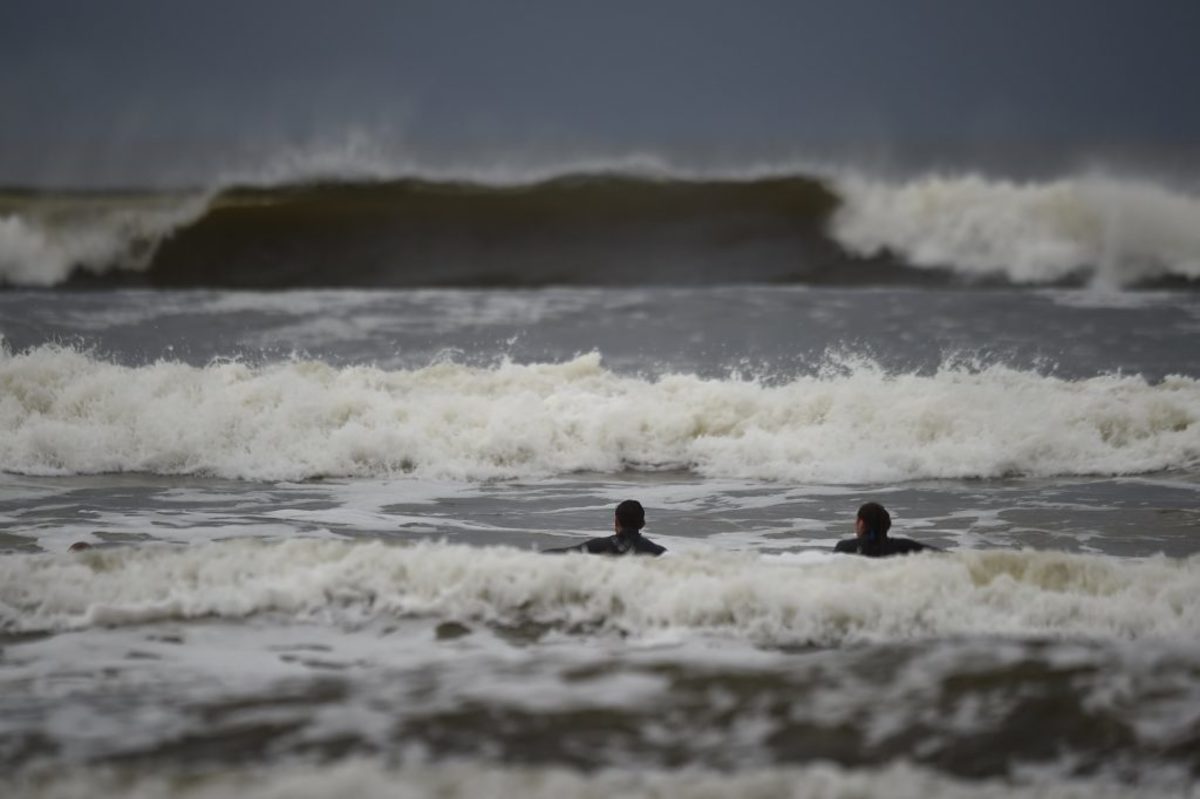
column 315, row 515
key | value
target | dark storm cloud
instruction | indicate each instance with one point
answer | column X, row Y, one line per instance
column 126, row 83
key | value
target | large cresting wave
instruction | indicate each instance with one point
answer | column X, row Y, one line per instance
column 607, row 228
column 63, row 411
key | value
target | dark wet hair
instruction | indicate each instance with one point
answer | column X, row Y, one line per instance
column 878, row 522
column 631, row 515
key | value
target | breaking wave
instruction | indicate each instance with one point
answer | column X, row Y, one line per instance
column 63, row 411
column 374, row 778
column 1117, row 232
column 604, row 227
column 768, row 602
column 48, row 240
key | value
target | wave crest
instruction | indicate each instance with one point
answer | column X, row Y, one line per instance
column 772, row 603
column 1120, row 232
column 44, row 242
column 622, row 222
column 67, row 412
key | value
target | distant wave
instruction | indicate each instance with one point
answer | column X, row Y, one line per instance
column 1115, row 232
column 67, row 412
column 769, row 603
column 574, row 229
column 603, row 227
column 45, row 241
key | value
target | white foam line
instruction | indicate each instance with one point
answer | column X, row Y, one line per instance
column 996, row 592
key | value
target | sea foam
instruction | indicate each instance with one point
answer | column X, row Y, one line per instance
column 374, row 778
column 772, row 603
column 63, row 411
column 1119, row 231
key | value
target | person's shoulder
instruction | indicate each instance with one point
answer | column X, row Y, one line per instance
column 645, row 546
column 847, row 546
column 905, row 545
column 564, row 550
column 610, row 545
column 595, row 546
column 602, row 546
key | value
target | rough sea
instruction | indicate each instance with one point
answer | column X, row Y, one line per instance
column 316, row 433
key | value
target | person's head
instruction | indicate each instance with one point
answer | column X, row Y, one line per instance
column 630, row 515
column 873, row 521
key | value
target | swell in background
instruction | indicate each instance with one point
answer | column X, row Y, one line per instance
column 600, row 223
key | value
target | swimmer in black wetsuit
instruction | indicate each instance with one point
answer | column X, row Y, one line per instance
column 628, row 522
column 871, row 536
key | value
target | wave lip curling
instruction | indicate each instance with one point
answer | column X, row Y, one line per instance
column 1120, row 232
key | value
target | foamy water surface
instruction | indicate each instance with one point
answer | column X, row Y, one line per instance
column 314, row 520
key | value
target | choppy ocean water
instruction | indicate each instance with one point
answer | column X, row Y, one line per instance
column 314, row 507
column 315, row 516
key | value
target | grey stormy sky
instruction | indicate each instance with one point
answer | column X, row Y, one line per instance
column 138, row 90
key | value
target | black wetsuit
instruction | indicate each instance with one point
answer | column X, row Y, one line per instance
column 891, row 546
column 626, row 542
